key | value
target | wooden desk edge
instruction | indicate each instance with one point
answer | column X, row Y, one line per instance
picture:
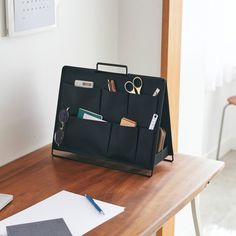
column 8, row 170
column 174, row 210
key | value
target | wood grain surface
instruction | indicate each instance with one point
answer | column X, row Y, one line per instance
column 171, row 58
column 170, row 69
column 148, row 202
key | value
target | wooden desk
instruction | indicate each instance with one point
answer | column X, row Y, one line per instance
column 149, row 202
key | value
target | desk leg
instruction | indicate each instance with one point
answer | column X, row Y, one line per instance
column 167, row 229
column 196, row 215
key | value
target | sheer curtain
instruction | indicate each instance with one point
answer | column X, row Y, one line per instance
column 220, row 42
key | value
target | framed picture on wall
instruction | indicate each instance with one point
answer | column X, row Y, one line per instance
column 30, row 16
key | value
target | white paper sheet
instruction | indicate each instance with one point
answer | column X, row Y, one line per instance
column 79, row 215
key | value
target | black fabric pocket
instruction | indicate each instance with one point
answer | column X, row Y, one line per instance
column 86, row 136
column 123, row 143
column 145, row 148
column 114, row 106
column 75, row 98
column 141, row 109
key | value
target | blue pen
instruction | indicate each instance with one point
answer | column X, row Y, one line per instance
column 94, row 204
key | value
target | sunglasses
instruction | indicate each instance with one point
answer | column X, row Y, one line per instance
column 63, row 117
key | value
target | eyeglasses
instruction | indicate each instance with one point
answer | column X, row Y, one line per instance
column 63, row 118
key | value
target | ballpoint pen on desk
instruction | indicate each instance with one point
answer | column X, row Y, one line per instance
column 94, row 204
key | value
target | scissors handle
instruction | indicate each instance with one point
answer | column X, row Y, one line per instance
column 129, row 87
column 138, row 86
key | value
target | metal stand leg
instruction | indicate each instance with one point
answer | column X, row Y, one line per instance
column 221, row 129
column 196, row 216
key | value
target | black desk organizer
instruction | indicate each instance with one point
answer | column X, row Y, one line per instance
column 107, row 143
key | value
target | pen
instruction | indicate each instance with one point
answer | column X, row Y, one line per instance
column 94, row 204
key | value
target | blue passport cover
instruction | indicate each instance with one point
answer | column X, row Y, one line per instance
column 56, row 227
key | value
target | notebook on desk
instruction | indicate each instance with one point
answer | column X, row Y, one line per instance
column 56, row 227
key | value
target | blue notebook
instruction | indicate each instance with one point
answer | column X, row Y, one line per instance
column 56, row 227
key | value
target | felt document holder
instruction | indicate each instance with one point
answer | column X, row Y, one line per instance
column 108, row 143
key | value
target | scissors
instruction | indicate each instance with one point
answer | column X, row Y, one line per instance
column 134, row 86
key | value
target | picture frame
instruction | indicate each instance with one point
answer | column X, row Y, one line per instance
column 30, row 16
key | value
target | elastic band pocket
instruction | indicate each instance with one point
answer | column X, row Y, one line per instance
column 123, row 143
column 141, row 109
column 87, row 137
column 114, row 106
column 145, row 153
column 75, row 98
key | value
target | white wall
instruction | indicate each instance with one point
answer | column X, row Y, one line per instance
column 140, row 24
column 30, row 68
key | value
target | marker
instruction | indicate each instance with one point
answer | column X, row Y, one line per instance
column 94, row 204
column 156, row 92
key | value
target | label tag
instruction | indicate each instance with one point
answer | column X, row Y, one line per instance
column 83, row 84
